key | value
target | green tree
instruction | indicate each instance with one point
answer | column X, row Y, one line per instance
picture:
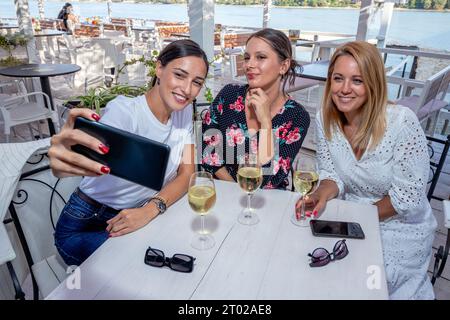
column 427, row 4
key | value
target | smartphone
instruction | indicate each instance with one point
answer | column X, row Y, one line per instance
column 131, row 157
column 338, row 229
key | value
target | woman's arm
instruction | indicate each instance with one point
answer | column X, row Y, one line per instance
column 129, row 220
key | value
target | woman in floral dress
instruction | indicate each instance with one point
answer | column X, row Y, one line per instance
column 257, row 118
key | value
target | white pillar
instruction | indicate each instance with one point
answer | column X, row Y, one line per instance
column 201, row 24
column 41, row 9
column 386, row 16
column 109, row 10
column 26, row 27
column 363, row 21
column 266, row 12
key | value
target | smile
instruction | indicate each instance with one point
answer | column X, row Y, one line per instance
column 180, row 98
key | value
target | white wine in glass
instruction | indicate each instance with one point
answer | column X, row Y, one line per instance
column 306, row 181
column 201, row 198
column 249, row 177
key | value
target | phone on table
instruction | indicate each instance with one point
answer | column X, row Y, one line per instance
column 338, row 229
column 131, row 157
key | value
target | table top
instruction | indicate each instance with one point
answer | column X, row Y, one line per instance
column 48, row 33
column 264, row 261
column 316, row 71
column 39, row 70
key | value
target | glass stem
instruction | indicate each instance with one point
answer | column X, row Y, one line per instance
column 202, row 219
column 248, row 203
column 302, row 212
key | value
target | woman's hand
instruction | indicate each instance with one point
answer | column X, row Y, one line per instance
column 65, row 162
column 314, row 204
column 129, row 220
column 259, row 101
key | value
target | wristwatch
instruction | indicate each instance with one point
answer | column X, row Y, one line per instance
column 160, row 204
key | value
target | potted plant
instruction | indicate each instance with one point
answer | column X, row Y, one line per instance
column 97, row 98
column 9, row 43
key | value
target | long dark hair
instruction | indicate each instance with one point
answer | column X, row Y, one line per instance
column 179, row 49
column 281, row 44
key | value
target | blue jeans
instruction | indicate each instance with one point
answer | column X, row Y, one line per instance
column 80, row 230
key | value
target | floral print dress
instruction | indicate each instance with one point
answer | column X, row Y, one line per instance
column 226, row 138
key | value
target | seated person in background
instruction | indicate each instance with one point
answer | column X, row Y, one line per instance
column 70, row 19
column 373, row 152
column 244, row 119
column 107, row 206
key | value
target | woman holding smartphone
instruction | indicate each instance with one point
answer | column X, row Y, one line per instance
column 107, row 206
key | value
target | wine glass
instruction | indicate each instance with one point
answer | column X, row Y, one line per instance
column 249, row 177
column 201, row 198
column 306, row 181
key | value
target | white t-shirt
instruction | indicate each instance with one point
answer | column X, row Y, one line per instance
column 135, row 116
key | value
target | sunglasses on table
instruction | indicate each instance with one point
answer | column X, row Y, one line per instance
column 321, row 257
column 178, row 262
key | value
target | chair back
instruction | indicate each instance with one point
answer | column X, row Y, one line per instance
column 47, row 24
column 431, row 88
column 87, row 31
column 237, row 66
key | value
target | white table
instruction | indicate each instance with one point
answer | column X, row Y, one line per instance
column 265, row 261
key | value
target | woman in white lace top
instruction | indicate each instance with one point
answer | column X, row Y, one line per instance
column 370, row 151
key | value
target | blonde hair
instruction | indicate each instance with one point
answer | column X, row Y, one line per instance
column 373, row 112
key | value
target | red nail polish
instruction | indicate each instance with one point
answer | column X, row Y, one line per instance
column 103, row 148
column 308, row 214
column 95, row 116
column 315, row 213
column 105, row 169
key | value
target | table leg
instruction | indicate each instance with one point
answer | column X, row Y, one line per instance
column 45, row 84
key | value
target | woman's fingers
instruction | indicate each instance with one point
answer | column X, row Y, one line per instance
column 61, row 150
column 62, row 169
column 80, row 112
column 121, row 232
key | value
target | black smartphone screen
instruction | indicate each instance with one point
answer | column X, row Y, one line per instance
column 131, row 157
column 340, row 229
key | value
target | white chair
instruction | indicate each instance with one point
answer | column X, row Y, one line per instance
column 18, row 109
column 35, row 216
column 431, row 98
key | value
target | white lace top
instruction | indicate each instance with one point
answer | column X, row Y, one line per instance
column 398, row 167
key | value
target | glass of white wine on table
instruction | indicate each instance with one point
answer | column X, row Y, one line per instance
column 306, row 181
column 249, row 177
column 201, row 198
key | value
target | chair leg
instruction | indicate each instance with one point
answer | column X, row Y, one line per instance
column 441, row 259
column 31, row 131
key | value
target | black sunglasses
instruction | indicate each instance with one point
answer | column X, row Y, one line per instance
column 321, row 257
column 178, row 262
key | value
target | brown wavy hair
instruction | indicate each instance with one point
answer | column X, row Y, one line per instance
column 281, row 44
column 373, row 112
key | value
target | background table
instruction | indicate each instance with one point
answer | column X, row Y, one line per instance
column 265, row 261
column 316, row 71
column 43, row 72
